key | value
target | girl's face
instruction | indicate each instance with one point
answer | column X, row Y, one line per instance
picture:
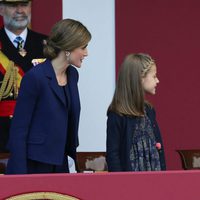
column 77, row 56
column 150, row 81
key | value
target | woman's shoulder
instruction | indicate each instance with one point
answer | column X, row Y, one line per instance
column 36, row 71
column 72, row 69
column 73, row 72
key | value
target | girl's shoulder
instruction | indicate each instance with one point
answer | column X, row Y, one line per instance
column 119, row 117
column 113, row 114
column 149, row 109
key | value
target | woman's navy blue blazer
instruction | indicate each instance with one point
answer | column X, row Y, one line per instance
column 42, row 119
column 119, row 137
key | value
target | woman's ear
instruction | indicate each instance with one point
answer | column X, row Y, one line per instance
column 67, row 53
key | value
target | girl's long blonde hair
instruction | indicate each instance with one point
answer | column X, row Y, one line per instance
column 128, row 98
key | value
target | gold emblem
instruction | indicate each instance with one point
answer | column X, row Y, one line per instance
column 22, row 52
column 42, row 195
column 37, row 61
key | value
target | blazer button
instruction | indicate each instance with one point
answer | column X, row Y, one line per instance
column 11, row 116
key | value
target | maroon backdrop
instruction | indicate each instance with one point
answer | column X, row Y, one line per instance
column 170, row 185
column 169, row 31
column 45, row 13
column 1, row 21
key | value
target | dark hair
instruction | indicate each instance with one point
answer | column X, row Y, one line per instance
column 128, row 98
column 67, row 35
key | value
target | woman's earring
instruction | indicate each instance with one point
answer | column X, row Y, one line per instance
column 68, row 55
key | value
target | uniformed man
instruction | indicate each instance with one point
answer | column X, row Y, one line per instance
column 20, row 47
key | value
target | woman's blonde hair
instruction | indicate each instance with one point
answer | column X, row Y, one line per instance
column 66, row 35
column 128, row 98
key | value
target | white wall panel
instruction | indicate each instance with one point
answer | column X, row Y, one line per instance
column 97, row 74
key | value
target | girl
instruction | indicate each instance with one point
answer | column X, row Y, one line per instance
column 133, row 138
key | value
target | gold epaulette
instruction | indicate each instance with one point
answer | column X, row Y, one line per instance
column 9, row 85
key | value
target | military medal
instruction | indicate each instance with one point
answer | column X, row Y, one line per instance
column 20, row 48
column 22, row 52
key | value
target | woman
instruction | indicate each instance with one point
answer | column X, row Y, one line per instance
column 44, row 129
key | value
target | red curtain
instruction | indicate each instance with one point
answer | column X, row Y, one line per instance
column 43, row 16
column 1, row 21
column 173, row 41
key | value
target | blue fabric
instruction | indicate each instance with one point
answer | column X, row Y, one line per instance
column 41, row 122
column 35, row 167
column 119, row 140
column 144, row 155
column 19, row 42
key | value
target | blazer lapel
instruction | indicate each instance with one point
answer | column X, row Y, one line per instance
column 57, row 90
column 53, row 82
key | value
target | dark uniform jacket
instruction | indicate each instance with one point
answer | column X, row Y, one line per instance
column 34, row 49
